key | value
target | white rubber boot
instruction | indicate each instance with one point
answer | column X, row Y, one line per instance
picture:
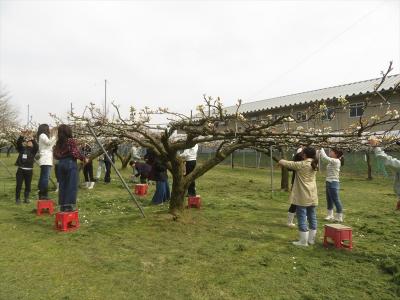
column 303, row 239
column 57, row 185
column 290, row 218
column 91, row 185
column 311, row 236
column 339, row 217
column 86, row 184
column 329, row 217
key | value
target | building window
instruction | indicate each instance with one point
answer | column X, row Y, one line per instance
column 356, row 110
column 253, row 119
column 301, row 116
column 329, row 114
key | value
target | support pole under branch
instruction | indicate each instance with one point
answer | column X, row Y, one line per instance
column 116, row 171
column 272, row 171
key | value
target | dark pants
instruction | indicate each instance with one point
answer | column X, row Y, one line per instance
column 68, row 190
column 56, row 171
column 190, row 165
column 292, row 208
column 143, row 179
column 107, row 176
column 88, row 172
column 23, row 176
column 162, row 193
column 43, row 184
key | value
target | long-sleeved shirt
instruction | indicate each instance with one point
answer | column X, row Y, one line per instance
column 71, row 150
column 304, row 191
column 26, row 156
column 190, row 154
column 332, row 168
column 388, row 160
column 391, row 162
column 46, row 145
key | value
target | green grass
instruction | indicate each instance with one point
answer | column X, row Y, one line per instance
column 236, row 247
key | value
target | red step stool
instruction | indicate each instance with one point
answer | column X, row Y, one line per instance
column 141, row 189
column 338, row 233
column 67, row 220
column 194, row 201
column 43, row 206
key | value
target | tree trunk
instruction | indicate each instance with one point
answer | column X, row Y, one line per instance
column 179, row 186
column 367, row 155
column 285, row 179
column 9, row 150
column 126, row 161
column 284, row 172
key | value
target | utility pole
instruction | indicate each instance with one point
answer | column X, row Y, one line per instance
column 105, row 98
column 71, row 108
column 27, row 120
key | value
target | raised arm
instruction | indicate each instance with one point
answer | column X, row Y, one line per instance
column 47, row 141
column 326, row 157
column 292, row 165
column 388, row 160
column 19, row 143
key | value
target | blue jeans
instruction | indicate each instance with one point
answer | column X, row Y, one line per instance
column 305, row 213
column 332, row 196
column 43, row 184
column 68, row 180
column 162, row 193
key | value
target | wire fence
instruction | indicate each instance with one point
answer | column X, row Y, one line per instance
column 355, row 163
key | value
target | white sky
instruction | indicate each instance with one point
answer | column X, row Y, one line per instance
column 170, row 53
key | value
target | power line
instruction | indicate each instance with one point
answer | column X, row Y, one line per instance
column 323, row 46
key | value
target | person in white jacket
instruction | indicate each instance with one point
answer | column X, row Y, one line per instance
column 392, row 162
column 190, row 157
column 46, row 144
column 335, row 161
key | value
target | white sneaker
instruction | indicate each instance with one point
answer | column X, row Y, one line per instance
column 329, row 217
column 290, row 220
column 311, row 236
column 339, row 217
column 91, row 185
column 303, row 239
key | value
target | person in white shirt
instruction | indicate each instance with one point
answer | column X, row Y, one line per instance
column 190, row 157
column 389, row 161
column 335, row 161
column 46, row 144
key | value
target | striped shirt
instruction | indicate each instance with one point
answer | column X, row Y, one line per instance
column 332, row 168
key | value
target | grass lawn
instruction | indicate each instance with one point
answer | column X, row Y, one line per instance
column 236, row 247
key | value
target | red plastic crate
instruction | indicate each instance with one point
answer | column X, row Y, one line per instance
column 141, row 189
column 44, row 206
column 194, row 201
column 339, row 233
column 67, row 220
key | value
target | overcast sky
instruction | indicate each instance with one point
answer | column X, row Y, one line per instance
column 169, row 54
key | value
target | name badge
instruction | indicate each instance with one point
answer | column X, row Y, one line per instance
column 24, row 156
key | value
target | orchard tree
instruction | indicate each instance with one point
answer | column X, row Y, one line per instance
column 212, row 125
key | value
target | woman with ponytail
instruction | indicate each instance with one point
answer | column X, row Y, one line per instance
column 67, row 152
column 335, row 161
column 304, row 195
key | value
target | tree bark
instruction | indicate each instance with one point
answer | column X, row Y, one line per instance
column 284, row 172
column 179, row 186
column 367, row 155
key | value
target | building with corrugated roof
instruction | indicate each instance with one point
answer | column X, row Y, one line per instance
column 335, row 116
